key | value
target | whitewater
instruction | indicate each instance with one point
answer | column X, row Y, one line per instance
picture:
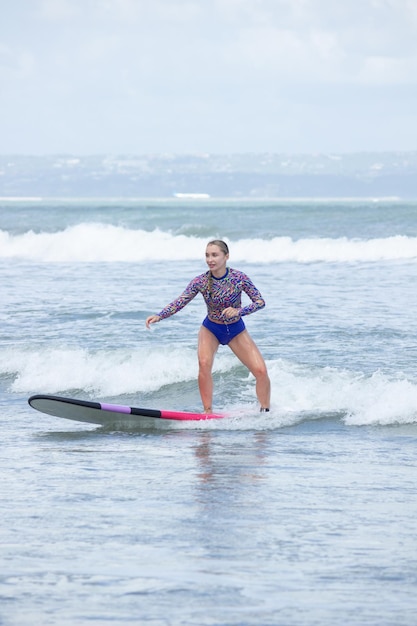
column 299, row 517
column 95, row 242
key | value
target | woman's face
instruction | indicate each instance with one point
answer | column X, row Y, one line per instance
column 216, row 259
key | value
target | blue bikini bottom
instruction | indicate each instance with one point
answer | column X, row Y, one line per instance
column 224, row 333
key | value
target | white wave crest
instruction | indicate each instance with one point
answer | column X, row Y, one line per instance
column 106, row 373
column 298, row 391
column 362, row 400
column 91, row 242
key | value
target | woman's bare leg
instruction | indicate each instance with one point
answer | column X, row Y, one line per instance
column 207, row 348
column 248, row 353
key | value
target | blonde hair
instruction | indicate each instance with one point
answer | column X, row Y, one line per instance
column 225, row 249
column 221, row 244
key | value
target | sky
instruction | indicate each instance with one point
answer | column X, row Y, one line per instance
column 207, row 76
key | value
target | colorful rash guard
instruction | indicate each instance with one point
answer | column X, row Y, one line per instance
column 219, row 293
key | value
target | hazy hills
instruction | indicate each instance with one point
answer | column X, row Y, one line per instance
column 389, row 174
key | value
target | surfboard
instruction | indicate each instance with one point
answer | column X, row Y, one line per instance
column 112, row 415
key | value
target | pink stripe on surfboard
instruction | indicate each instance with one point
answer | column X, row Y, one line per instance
column 180, row 415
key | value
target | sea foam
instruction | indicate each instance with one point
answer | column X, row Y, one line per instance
column 298, row 391
column 97, row 242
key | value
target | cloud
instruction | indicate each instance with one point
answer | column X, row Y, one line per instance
column 326, row 41
column 294, row 40
column 380, row 70
column 59, row 10
column 15, row 64
column 187, row 74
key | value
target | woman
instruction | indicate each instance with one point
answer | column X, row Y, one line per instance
column 221, row 288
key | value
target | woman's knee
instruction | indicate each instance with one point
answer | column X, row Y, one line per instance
column 260, row 371
column 205, row 363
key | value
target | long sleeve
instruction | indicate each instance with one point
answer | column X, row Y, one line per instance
column 190, row 292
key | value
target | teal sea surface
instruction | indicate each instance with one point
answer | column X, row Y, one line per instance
column 301, row 517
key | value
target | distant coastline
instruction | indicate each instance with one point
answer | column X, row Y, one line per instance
column 391, row 175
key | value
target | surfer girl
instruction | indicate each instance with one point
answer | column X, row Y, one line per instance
column 221, row 288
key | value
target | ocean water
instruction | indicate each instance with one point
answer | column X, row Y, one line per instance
column 304, row 516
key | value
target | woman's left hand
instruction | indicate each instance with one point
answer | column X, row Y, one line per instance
column 230, row 312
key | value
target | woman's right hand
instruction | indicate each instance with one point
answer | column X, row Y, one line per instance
column 152, row 319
